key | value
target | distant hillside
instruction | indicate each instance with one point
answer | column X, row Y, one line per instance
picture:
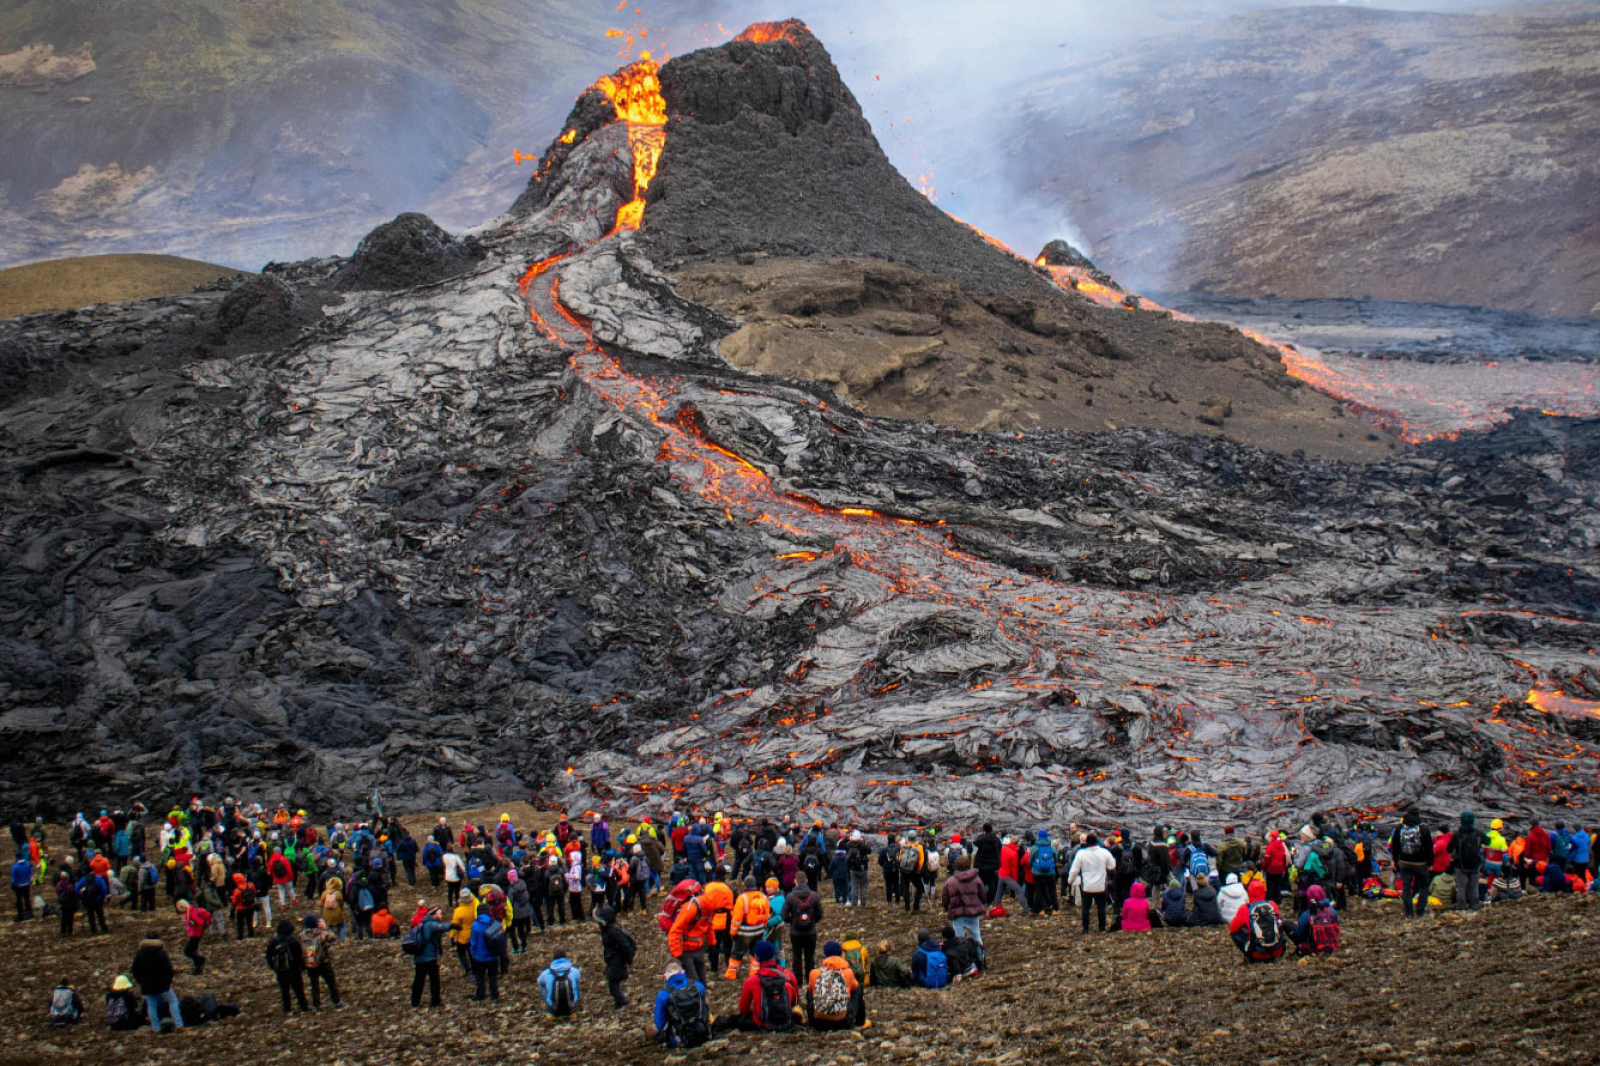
column 64, row 284
column 1337, row 152
column 243, row 131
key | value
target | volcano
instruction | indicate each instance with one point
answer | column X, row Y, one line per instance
column 557, row 516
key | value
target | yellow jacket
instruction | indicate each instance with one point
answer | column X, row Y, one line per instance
column 462, row 917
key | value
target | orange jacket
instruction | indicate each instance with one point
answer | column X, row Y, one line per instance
column 691, row 927
column 832, row 962
column 719, row 919
column 751, row 912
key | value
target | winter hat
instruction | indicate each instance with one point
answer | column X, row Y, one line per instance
column 855, row 834
column 1233, row 879
column 764, row 951
column 1468, row 819
column 511, row 876
column 121, row 984
column 772, row 884
column 1044, row 834
column 1316, row 895
column 832, row 949
column 605, row 915
column 286, row 928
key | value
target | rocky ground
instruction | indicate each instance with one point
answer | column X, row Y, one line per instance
column 1512, row 982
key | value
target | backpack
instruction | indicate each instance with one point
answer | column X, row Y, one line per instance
column 757, row 910
column 555, row 883
column 1199, row 864
column 64, row 1009
column 1043, row 860
column 1469, row 851
column 855, row 956
column 1324, row 931
column 830, row 997
column 247, row 897
column 411, row 943
column 561, row 998
column 1266, row 933
column 805, row 919
column 910, row 859
column 936, row 969
column 364, row 900
column 1411, row 846
column 118, row 1016
column 681, row 893
column 432, row 854
column 1149, row 870
column 775, row 1012
column 310, row 952
column 279, row 959
column 150, row 876
column 688, row 1019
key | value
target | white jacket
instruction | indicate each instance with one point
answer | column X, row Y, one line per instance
column 1093, row 866
column 1232, row 897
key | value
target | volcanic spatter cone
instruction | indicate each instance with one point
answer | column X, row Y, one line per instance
column 524, row 528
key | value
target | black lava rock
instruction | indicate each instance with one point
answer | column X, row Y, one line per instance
column 409, row 251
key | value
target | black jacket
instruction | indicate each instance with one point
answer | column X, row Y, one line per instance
column 619, row 949
column 152, row 969
column 798, row 900
column 1206, row 911
column 986, row 852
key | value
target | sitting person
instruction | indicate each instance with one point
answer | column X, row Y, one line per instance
column 834, row 998
column 1317, row 931
column 1442, row 890
column 888, row 971
column 1137, row 913
column 1207, row 910
column 960, row 954
column 124, row 1012
column 1232, row 897
column 559, row 985
column 203, row 1008
column 768, row 998
column 65, row 1006
column 930, row 968
column 1257, row 930
column 1552, row 878
column 383, row 924
column 1504, row 885
column 682, row 1018
column 1174, row 915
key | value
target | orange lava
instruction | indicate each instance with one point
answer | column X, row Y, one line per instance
column 1553, row 701
column 766, row 32
column 635, row 91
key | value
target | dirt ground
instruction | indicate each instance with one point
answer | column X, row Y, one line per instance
column 1509, row 983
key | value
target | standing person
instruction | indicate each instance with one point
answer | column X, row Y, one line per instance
column 619, row 950
column 964, row 898
column 1466, row 855
column 802, row 912
column 152, row 968
column 986, row 860
column 520, row 900
column 574, row 879
column 1042, row 863
column 66, row 902
column 860, row 863
column 839, row 873
column 751, row 913
column 433, row 861
column 461, row 919
column 196, row 919
column 22, row 885
column 1091, row 871
column 455, row 875
column 282, row 874
column 316, row 954
column 1275, row 864
column 286, row 963
column 485, row 946
column 889, row 867
column 405, row 850
column 430, row 941
column 691, row 928
column 1412, row 849
column 243, row 902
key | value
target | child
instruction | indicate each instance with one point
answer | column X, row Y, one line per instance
column 1136, row 910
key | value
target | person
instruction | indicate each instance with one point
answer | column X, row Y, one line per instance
column 461, row 919
column 1042, row 865
column 383, row 924
column 963, row 956
column 485, row 945
column 455, row 874
column 1233, row 896
column 282, row 874
column 65, row 1006
column 619, row 950
column 66, row 902
column 429, row 937
column 1257, row 930
column 929, row 966
column 1553, row 879
column 1275, row 866
column 839, row 873
column 152, row 969
column 1412, row 849
column 691, row 928
column 22, row 885
column 768, row 997
column 1466, row 857
column 1136, row 910
column 122, row 1006
column 1009, row 884
column 1317, row 932
column 1091, row 871
column 287, row 963
column 802, row 913
column 912, row 860
column 1442, row 892
column 520, row 900
column 316, row 953
column 559, row 986
column 888, row 970
column 751, row 913
column 986, row 860
column 1505, row 887
column 243, row 902
column 196, row 920
column 964, row 899
column 1206, row 910
column 682, row 1015
column 1174, row 914
column 860, row 863
column 405, row 850
column 834, row 997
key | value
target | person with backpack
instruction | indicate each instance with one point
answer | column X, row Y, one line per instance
column 316, row 955
column 682, row 1014
column 859, row 862
column 751, row 913
column 152, row 968
column 65, row 1006
column 889, row 867
column 423, row 942
column 92, row 892
column 911, row 860
column 287, row 964
column 22, row 885
column 1412, row 849
column 1042, row 864
column 1317, row 932
column 834, row 996
column 930, row 967
column 802, row 913
column 149, row 877
column 485, row 945
column 767, row 999
column 964, row 899
column 1466, row 858
column 461, row 919
column 282, row 873
column 619, row 950
column 689, row 928
column 559, row 986
column 1257, row 930
column 66, row 902
column 839, row 874
column 122, row 1006
column 243, row 903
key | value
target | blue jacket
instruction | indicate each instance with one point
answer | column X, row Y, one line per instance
column 677, row 980
column 694, row 850
column 431, row 931
column 839, row 865
column 1554, row 879
column 487, row 936
column 547, row 980
column 432, row 855
column 21, row 873
column 1580, row 848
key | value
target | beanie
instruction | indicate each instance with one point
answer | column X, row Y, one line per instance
column 764, row 951
column 832, row 949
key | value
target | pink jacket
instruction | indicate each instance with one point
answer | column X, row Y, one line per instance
column 1136, row 910
column 195, row 920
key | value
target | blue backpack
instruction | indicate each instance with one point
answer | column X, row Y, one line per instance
column 935, row 969
column 1199, row 864
column 432, row 855
column 1043, row 861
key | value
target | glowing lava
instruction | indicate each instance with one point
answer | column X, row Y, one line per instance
column 1554, row 701
column 635, row 91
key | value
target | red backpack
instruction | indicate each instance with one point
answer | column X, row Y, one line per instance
column 681, row 893
column 1324, row 931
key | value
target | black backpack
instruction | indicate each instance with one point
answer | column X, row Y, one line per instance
column 688, row 1019
column 1412, row 848
column 805, row 917
column 776, row 1012
column 281, row 955
column 247, row 896
column 561, row 995
column 1469, row 850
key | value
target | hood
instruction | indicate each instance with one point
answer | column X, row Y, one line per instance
column 560, row 966
column 1137, row 890
column 1233, row 879
column 1173, row 895
column 677, row 980
column 964, row 876
column 1468, row 819
column 482, row 923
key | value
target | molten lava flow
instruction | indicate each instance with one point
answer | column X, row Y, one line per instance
column 765, row 32
column 1554, row 701
column 635, row 91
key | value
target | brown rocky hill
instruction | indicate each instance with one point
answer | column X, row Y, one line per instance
column 1337, row 152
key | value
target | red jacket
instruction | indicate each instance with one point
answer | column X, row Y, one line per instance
column 1010, row 858
column 750, row 993
column 280, row 870
column 1536, row 846
column 1441, row 852
column 1275, row 860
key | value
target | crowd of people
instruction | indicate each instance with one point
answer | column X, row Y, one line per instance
column 739, row 900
